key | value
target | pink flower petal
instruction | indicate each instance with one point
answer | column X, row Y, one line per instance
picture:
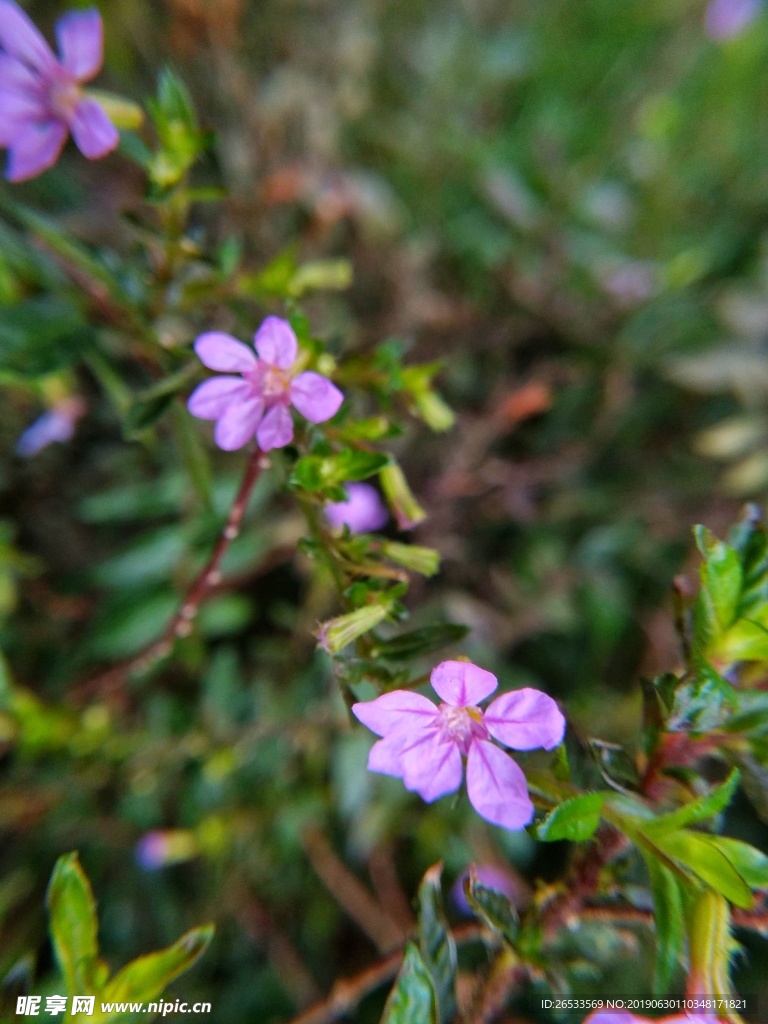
column 276, row 343
column 92, row 130
column 19, row 109
column 461, row 683
column 315, row 397
column 20, row 38
column 496, row 787
column 432, row 767
column 362, row 512
column 16, row 75
column 212, row 398
column 276, row 430
column 34, row 149
column 80, row 35
column 219, row 351
column 427, row 765
column 386, row 756
column 615, row 1017
column 525, row 719
column 237, row 425
column 397, row 710
column 81, row 43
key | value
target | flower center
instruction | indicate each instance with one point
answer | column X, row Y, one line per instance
column 270, row 384
column 461, row 725
column 63, row 96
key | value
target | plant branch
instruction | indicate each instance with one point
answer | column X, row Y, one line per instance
column 207, row 580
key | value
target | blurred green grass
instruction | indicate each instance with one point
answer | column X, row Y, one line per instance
column 564, row 195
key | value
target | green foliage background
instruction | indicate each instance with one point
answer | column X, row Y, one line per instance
column 565, row 203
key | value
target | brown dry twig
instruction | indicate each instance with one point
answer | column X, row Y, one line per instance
column 351, row 894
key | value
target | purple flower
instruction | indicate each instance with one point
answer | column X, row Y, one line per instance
column 41, row 99
column 162, row 847
column 424, row 745
column 362, row 512
column 257, row 401
column 728, row 18
column 58, row 424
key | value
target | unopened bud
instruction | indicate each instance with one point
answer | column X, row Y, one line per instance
column 121, row 112
column 407, row 510
column 418, row 559
column 435, row 412
column 334, row 635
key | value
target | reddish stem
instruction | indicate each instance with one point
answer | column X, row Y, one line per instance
column 207, row 579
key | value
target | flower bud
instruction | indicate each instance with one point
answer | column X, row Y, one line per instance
column 418, row 559
column 334, row 635
column 407, row 510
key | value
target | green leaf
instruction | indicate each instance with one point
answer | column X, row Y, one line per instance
column 576, row 819
column 754, row 782
column 707, row 863
column 74, row 925
column 617, row 767
column 319, row 472
column 41, row 335
column 309, row 473
column 668, row 916
column 418, row 642
column 750, row 863
column 412, row 1000
column 148, row 976
column 697, row 810
column 492, row 907
column 143, row 415
column 721, row 580
column 357, row 465
column 438, row 950
column 750, row 541
column 702, row 702
column 747, row 640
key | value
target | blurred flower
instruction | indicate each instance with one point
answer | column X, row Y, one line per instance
column 728, row 18
column 630, row 283
column 41, row 99
column 257, row 401
column 625, row 1017
column 490, row 876
column 424, row 744
column 362, row 512
column 58, row 424
column 160, row 848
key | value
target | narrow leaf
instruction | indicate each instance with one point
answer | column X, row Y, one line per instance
column 438, row 950
column 702, row 702
column 576, row 819
column 418, row 642
column 750, row 863
column 668, row 916
column 708, row 863
column 74, row 925
column 148, row 976
column 412, row 1000
column 492, row 907
column 697, row 810
column 721, row 580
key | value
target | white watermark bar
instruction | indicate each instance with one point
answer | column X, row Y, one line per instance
column 35, row 1006
column 664, row 1005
